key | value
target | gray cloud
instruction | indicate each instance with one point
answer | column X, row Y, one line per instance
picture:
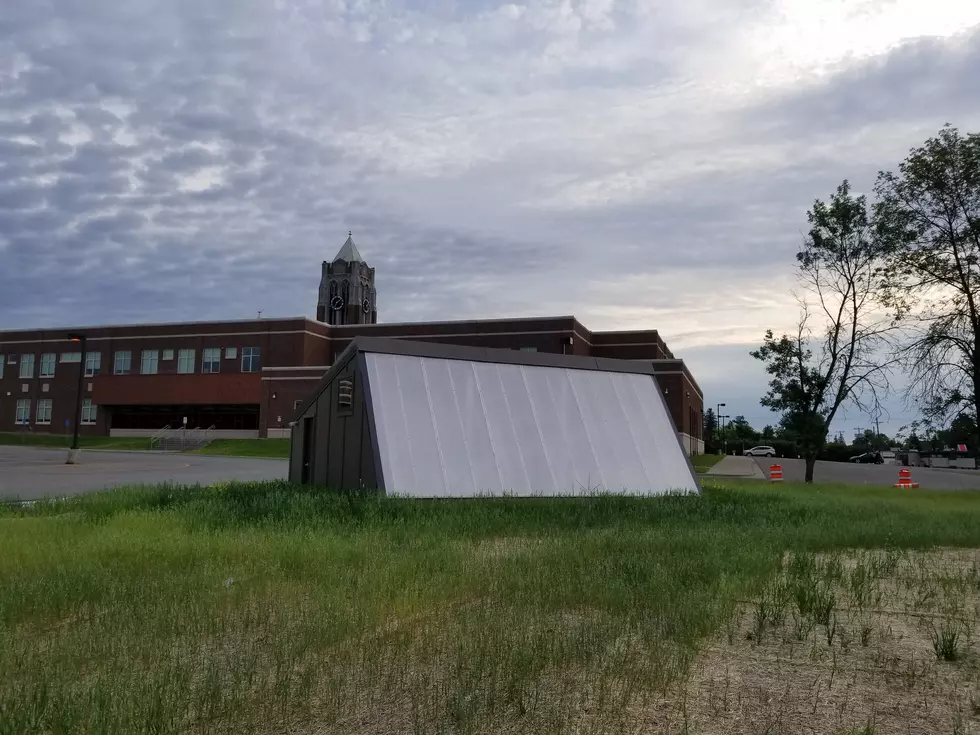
column 922, row 80
column 186, row 160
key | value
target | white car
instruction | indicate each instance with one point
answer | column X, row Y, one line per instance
column 760, row 452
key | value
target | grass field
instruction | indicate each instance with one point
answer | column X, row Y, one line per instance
column 273, row 448
column 27, row 439
column 273, row 608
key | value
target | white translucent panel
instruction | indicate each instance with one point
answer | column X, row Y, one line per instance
column 460, row 428
column 501, row 429
column 480, row 453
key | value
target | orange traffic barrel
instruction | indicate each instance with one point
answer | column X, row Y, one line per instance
column 775, row 473
column 905, row 478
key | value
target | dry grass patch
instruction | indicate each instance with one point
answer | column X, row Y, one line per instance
column 854, row 642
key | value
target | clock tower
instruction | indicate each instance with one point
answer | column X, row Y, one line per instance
column 347, row 292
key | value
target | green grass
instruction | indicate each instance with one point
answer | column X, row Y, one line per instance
column 276, row 448
column 704, row 462
column 267, row 608
column 64, row 440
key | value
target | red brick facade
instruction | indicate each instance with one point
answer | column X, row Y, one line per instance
column 285, row 359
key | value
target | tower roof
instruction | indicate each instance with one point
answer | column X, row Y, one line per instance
column 349, row 252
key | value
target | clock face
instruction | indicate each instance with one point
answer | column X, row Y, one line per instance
column 336, row 303
column 366, row 304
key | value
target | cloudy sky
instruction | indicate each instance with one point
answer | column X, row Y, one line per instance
column 639, row 164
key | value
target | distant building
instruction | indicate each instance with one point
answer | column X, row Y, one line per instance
column 247, row 378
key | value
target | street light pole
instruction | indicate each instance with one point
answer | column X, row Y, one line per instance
column 73, row 452
column 719, row 421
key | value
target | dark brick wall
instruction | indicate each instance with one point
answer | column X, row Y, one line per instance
column 292, row 343
column 279, row 394
column 174, row 390
column 281, row 342
column 62, row 390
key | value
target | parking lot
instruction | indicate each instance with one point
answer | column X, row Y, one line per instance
column 882, row 474
column 28, row 473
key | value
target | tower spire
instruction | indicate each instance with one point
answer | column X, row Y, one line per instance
column 348, row 252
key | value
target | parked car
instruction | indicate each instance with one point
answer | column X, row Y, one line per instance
column 868, row 458
column 760, row 452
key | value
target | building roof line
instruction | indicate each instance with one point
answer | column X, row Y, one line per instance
column 140, row 325
column 458, row 321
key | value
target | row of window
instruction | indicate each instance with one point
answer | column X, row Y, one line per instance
column 149, row 361
column 43, row 415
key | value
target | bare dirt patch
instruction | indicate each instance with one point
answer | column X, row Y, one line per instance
column 860, row 642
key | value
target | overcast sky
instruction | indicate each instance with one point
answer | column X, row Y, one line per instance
column 639, row 164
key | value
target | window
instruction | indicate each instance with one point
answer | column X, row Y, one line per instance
column 44, row 411
column 45, row 388
column 529, row 349
column 231, row 353
column 47, row 365
column 24, row 411
column 250, row 360
column 168, row 354
column 89, row 411
column 2, row 360
column 185, row 361
column 150, row 362
column 93, row 363
column 212, row 360
column 124, row 363
column 27, row 366
column 71, row 356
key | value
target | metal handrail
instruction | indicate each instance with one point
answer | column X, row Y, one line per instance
column 155, row 438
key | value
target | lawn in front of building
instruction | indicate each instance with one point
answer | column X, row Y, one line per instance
column 33, row 439
column 270, row 448
column 271, row 607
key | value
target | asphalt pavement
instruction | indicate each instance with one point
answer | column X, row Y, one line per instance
column 794, row 470
column 28, row 473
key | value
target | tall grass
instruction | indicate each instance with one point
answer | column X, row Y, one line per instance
column 260, row 608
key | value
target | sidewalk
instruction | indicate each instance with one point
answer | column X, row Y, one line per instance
column 745, row 467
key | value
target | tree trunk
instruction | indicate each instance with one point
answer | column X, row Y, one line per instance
column 811, row 462
column 976, row 402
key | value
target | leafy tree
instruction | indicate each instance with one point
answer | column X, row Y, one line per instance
column 914, row 442
column 710, row 429
column 834, row 356
column 869, row 440
column 928, row 214
column 740, row 432
column 768, row 433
